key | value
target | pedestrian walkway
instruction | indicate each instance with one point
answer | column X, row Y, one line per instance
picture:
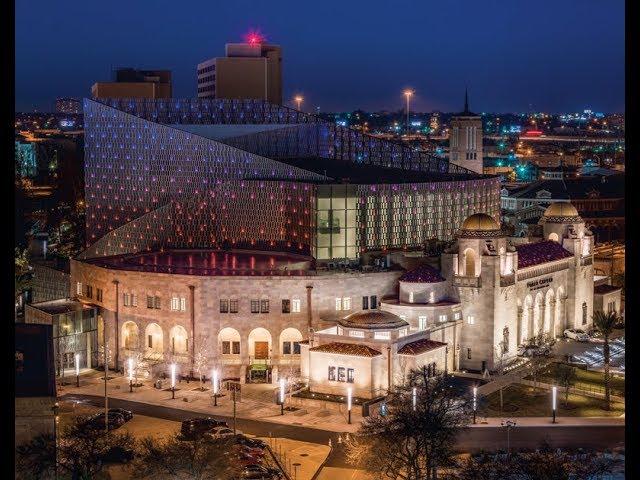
column 301, row 459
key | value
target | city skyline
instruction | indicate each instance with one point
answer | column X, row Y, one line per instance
column 488, row 50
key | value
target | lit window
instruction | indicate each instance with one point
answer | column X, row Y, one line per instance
column 233, row 306
column 341, row 376
column 255, row 306
column 402, row 332
column 78, row 288
column 224, row 306
column 178, row 303
column 457, row 316
column 338, row 303
column 134, row 300
column 382, row 335
column 346, row 303
column 183, row 304
column 340, row 331
column 442, row 318
column 264, row 306
column 349, row 375
column 422, row 322
column 295, row 305
column 356, row 333
column 126, row 299
column 470, row 319
column 332, row 374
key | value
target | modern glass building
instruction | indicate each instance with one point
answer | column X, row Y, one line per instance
column 245, row 174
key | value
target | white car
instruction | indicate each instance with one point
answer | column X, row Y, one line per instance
column 576, row 334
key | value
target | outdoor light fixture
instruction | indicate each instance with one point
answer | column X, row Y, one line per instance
column 475, row 403
column 282, row 396
column 554, row 394
column 130, row 364
column 415, row 398
column 298, row 99
column 77, row 369
column 214, row 386
column 349, row 393
column 173, row 380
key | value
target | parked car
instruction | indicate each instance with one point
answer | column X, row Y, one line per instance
column 258, row 472
column 527, row 350
column 542, row 351
column 220, row 432
column 193, row 428
column 96, row 422
column 576, row 334
column 250, row 442
column 127, row 414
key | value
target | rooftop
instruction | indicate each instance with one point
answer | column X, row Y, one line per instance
column 422, row 274
column 347, row 349
column 604, row 289
column 420, row 346
column 58, row 307
column 530, row 254
column 372, row 319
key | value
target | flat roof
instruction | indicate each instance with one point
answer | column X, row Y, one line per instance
column 63, row 305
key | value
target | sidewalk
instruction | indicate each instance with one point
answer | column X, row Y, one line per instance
column 546, row 421
column 301, row 459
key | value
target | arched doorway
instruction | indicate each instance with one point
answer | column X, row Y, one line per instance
column 290, row 339
column 469, row 263
column 260, row 344
column 153, row 339
column 179, row 341
column 538, row 307
column 229, row 341
column 130, row 335
column 527, row 319
column 560, row 319
column 548, row 312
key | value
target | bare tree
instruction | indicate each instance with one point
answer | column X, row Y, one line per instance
column 412, row 443
column 171, row 458
column 65, row 344
column 201, row 357
column 536, row 363
column 566, row 377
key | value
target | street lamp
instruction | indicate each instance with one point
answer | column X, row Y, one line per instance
column 214, row 386
column 349, row 393
column 407, row 93
column 130, row 365
column 509, row 424
column 298, row 99
column 282, row 396
column 173, row 380
column 475, row 403
column 77, row 369
column 55, row 409
column 415, row 398
column 554, row 395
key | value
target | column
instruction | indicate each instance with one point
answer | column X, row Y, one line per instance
column 563, row 313
column 530, row 332
column 193, row 326
column 116, row 348
column 519, row 326
column 552, row 318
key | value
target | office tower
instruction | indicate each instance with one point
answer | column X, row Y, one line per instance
column 132, row 83
column 249, row 70
column 465, row 139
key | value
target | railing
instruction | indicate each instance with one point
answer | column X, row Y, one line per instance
column 460, row 281
column 507, row 280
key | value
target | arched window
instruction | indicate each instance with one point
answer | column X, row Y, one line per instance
column 584, row 313
column 505, row 340
column 554, row 237
column 469, row 263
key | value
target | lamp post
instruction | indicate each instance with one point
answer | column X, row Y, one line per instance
column 214, row 386
column 554, row 395
column 475, row 403
column 130, row 365
column 55, row 437
column 77, row 369
column 349, row 393
column 509, row 424
column 282, row 396
column 173, row 381
column 298, row 99
column 414, row 399
column 407, row 93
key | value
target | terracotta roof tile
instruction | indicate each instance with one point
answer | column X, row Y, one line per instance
column 422, row 274
column 530, row 254
column 420, row 346
column 347, row 349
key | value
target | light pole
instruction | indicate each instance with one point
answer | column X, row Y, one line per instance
column 282, row 396
column 55, row 437
column 414, row 399
column 554, row 395
column 130, row 365
column 475, row 403
column 298, row 99
column 173, row 381
column 509, row 424
column 77, row 369
column 349, row 393
column 407, row 94
column 214, row 386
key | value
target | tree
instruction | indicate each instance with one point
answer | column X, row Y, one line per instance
column 23, row 275
column 82, row 453
column 536, row 363
column 566, row 377
column 410, row 443
column 605, row 323
column 172, row 458
column 201, row 357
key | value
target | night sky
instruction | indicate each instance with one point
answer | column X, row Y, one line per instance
column 514, row 56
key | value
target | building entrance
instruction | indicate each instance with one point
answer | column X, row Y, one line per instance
column 261, row 350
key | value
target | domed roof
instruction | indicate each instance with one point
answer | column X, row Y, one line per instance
column 561, row 209
column 422, row 274
column 372, row 319
column 480, row 222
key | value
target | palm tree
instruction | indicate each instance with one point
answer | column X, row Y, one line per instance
column 605, row 323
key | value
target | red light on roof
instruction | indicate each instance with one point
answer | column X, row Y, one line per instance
column 254, row 38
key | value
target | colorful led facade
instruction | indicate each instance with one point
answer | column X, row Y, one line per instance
column 211, row 174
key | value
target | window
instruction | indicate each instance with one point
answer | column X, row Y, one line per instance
column 346, row 303
column 233, row 306
column 382, row 335
column 156, row 303
column 134, row 300
column 126, row 299
column 226, row 348
column 78, row 288
column 611, row 306
column 286, row 348
column 584, row 313
column 230, row 348
column 457, row 316
column 332, row 374
column 442, row 318
column 338, row 303
column 149, row 301
column 178, row 304
column 150, row 341
column 296, row 348
column 286, row 305
column 341, row 372
column 422, row 322
column 374, row 302
column 89, row 291
column 468, row 354
column 356, row 333
column 402, row 332
column 505, row 340
column 471, row 320
column 349, row 375
column 295, row 305
column 264, row 306
column 365, row 303
column 255, row 306
column 99, row 294
column 183, row 304
column 224, row 306
column 235, row 348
